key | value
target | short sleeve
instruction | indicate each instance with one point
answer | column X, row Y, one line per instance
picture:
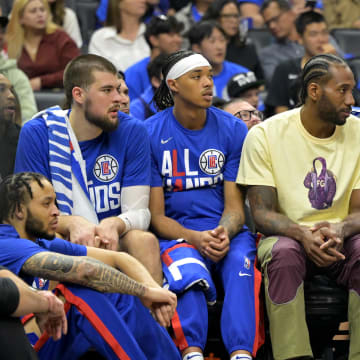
column 255, row 163
column 137, row 166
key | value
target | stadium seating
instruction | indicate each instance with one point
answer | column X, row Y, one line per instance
column 348, row 40
column 47, row 98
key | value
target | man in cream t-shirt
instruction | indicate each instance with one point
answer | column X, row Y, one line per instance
column 302, row 172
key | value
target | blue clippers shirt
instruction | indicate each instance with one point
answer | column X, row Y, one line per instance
column 192, row 165
column 113, row 160
column 15, row 251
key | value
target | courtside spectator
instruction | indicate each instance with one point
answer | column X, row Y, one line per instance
column 66, row 18
column 239, row 49
column 122, row 40
column 41, row 48
column 208, row 39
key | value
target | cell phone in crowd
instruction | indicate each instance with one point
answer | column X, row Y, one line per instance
column 311, row 3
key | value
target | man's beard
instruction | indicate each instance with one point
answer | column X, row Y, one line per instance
column 5, row 121
column 328, row 112
column 34, row 227
column 102, row 122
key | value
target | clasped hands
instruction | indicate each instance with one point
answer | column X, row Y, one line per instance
column 323, row 243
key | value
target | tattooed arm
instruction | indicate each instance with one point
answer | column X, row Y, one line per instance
column 269, row 221
column 95, row 274
column 233, row 216
column 83, row 271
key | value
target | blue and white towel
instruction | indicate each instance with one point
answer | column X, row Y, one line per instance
column 184, row 267
column 67, row 166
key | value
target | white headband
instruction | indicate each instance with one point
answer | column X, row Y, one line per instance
column 185, row 65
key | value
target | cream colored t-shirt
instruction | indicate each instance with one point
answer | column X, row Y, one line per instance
column 313, row 177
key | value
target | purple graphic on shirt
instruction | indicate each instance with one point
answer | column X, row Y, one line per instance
column 322, row 186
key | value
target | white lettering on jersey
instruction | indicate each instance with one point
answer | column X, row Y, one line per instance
column 105, row 197
column 166, row 169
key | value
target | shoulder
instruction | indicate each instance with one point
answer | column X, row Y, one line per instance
column 225, row 120
column 230, row 66
column 138, row 66
column 155, row 123
column 104, row 33
column 128, row 124
column 37, row 123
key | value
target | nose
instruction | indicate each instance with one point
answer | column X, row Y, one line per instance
column 10, row 94
column 55, row 211
column 349, row 99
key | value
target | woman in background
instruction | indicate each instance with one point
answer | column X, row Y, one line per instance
column 41, row 48
column 122, row 39
column 239, row 49
column 67, row 19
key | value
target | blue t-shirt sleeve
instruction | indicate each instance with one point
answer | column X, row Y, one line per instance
column 33, row 149
column 63, row 247
column 137, row 163
column 12, row 258
column 235, row 143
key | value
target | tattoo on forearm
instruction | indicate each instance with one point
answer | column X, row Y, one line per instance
column 232, row 222
column 264, row 207
column 82, row 270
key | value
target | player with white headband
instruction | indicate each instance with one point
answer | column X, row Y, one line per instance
column 194, row 198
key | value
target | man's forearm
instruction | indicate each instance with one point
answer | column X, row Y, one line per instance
column 268, row 221
column 351, row 225
column 232, row 222
column 123, row 262
column 81, row 270
column 170, row 229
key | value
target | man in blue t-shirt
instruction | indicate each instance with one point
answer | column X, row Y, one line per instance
column 163, row 34
column 195, row 152
column 107, row 322
column 98, row 160
column 208, row 39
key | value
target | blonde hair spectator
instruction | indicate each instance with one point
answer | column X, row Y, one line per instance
column 15, row 33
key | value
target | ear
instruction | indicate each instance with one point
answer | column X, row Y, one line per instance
column 78, row 94
column 20, row 212
column 154, row 41
column 314, row 91
column 155, row 82
column 172, row 85
column 196, row 48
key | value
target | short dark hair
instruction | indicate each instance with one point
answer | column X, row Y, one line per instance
column 307, row 18
column 163, row 97
column 214, row 9
column 282, row 4
column 203, row 30
column 79, row 72
column 162, row 24
column 15, row 190
column 317, row 69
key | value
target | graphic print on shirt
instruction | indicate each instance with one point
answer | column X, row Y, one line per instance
column 106, row 196
column 183, row 171
column 321, row 183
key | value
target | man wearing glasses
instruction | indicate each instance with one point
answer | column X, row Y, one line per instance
column 244, row 111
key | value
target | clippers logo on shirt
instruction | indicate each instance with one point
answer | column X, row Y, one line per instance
column 211, row 161
column 182, row 170
column 106, row 167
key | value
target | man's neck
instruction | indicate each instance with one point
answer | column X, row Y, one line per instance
column 82, row 128
column 217, row 68
column 313, row 123
column 294, row 36
column 190, row 117
column 19, row 226
column 129, row 27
